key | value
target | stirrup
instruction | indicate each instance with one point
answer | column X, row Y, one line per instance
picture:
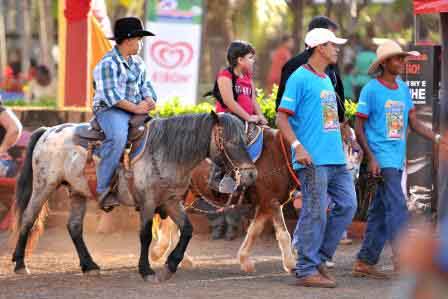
column 227, row 185
column 108, row 202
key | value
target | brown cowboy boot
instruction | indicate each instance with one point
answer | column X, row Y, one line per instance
column 361, row 269
column 108, row 201
column 315, row 281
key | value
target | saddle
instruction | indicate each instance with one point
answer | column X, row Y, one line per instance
column 254, row 135
column 90, row 136
column 92, row 132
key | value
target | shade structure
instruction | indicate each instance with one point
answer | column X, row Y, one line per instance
column 430, row 6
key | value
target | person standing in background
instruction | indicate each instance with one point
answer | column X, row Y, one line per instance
column 278, row 59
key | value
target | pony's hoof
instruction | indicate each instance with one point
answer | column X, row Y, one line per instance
column 187, row 263
column 289, row 266
column 94, row 272
column 22, row 271
column 163, row 275
column 248, row 266
column 149, row 278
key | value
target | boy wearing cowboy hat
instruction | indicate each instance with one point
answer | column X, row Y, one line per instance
column 384, row 110
column 308, row 118
column 122, row 89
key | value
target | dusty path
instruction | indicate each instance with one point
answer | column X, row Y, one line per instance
column 217, row 275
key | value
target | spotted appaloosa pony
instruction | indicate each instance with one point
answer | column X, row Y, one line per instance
column 175, row 147
column 271, row 190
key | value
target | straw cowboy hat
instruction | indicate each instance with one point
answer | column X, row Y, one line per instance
column 386, row 50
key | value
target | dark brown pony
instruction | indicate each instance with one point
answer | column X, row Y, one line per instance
column 268, row 195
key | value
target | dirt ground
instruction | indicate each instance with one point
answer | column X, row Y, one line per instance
column 55, row 272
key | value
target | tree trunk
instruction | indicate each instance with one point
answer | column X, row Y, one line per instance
column 218, row 33
column 340, row 13
column 297, row 7
column 46, row 33
column 26, row 35
column 328, row 8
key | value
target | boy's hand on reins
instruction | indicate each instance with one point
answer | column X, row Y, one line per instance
column 143, row 107
column 152, row 103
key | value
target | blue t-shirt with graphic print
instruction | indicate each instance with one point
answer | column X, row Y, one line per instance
column 310, row 101
column 386, row 111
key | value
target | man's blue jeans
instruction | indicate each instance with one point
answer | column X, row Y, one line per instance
column 386, row 217
column 317, row 235
column 115, row 123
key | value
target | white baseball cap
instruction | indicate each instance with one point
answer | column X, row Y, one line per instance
column 320, row 36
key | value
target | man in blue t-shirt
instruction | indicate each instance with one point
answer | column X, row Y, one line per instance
column 384, row 109
column 308, row 118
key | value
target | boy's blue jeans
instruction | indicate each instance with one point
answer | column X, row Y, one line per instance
column 386, row 217
column 115, row 124
column 317, row 235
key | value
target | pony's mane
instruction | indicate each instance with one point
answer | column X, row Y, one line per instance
column 182, row 139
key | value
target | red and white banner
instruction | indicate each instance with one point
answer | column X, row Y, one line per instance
column 430, row 6
column 172, row 57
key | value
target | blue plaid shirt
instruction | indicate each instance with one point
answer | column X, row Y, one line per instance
column 116, row 79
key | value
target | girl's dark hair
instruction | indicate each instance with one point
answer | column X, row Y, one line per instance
column 237, row 49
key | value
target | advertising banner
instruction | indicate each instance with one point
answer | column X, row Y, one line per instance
column 172, row 56
column 422, row 75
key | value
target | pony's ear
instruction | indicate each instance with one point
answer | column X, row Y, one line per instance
column 215, row 117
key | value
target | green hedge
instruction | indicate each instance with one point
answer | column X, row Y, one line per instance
column 175, row 107
column 267, row 104
column 47, row 102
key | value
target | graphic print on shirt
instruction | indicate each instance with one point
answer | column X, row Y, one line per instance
column 329, row 111
column 245, row 90
column 394, row 119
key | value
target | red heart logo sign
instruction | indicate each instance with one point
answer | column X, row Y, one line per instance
column 170, row 56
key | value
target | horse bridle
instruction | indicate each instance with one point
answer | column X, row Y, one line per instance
column 219, row 141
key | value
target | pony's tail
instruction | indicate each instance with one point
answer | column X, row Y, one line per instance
column 24, row 189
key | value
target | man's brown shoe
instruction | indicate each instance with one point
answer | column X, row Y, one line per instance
column 323, row 270
column 361, row 269
column 315, row 281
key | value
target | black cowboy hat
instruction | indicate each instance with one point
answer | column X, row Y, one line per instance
column 129, row 27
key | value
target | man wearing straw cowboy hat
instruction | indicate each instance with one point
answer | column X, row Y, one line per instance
column 384, row 110
column 308, row 118
column 122, row 89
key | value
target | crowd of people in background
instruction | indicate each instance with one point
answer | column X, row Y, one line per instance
column 35, row 84
column 355, row 58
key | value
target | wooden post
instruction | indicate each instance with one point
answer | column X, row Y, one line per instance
column 77, row 80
